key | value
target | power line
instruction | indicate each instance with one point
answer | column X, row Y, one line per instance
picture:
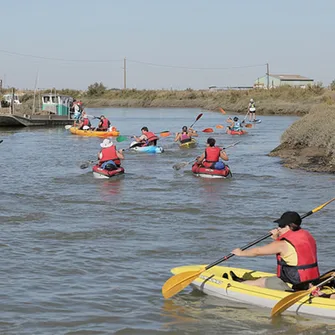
column 195, row 68
column 129, row 60
column 60, row 59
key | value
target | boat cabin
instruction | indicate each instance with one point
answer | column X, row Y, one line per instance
column 8, row 98
column 57, row 104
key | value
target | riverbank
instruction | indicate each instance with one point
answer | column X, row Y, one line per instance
column 309, row 143
column 280, row 101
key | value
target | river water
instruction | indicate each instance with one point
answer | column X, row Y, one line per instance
column 87, row 256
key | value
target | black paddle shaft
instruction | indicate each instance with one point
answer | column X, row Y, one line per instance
column 249, row 245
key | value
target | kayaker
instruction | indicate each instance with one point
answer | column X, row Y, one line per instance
column 147, row 138
column 104, row 124
column 85, row 123
column 211, row 157
column 234, row 124
column 109, row 157
column 252, row 110
column 185, row 135
column 296, row 253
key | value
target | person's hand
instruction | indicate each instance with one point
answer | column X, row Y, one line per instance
column 237, row 252
column 275, row 233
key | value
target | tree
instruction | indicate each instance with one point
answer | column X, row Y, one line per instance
column 332, row 85
column 96, row 89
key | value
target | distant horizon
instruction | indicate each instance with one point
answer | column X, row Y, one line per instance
column 177, row 44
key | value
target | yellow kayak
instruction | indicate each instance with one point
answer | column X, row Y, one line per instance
column 189, row 144
column 80, row 132
column 211, row 282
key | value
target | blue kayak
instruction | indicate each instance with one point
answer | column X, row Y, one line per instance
column 153, row 149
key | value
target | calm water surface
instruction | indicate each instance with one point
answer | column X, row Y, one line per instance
column 87, row 256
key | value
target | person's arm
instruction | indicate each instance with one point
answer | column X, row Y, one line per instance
column 273, row 248
column 100, row 155
column 120, row 154
column 192, row 133
column 200, row 158
column 224, row 156
column 176, row 139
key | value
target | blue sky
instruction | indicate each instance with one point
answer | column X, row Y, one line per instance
column 168, row 44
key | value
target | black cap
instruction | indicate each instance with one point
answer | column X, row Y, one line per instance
column 288, row 218
column 235, row 118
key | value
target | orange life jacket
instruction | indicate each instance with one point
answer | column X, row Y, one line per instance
column 307, row 267
column 109, row 154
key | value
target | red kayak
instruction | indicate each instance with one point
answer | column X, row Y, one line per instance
column 203, row 172
column 236, row 132
column 100, row 173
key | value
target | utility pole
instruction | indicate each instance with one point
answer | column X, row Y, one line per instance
column 267, row 76
column 124, row 73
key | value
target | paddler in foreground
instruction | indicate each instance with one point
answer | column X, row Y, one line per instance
column 296, row 252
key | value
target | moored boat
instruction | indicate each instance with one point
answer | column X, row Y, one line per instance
column 201, row 171
column 153, row 149
column 236, row 132
column 93, row 133
column 213, row 283
column 100, row 173
column 189, row 144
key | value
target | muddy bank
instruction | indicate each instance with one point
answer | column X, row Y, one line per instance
column 309, row 143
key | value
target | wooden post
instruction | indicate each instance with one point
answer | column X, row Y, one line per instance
column 124, row 73
column 267, row 75
column 12, row 102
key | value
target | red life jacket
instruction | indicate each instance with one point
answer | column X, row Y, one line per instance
column 212, row 155
column 86, row 122
column 307, row 267
column 109, row 154
column 105, row 124
column 151, row 137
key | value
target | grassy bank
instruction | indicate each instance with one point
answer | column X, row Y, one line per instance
column 309, row 143
column 283, row 100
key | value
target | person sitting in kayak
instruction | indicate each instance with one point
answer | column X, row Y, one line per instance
column 234, row 124
column 252, row 110
column 148, row 138
column 109, row 157
column 185, row 135
column 85, row 123
column 296, row 252
column 104, row 124
column 211, row 157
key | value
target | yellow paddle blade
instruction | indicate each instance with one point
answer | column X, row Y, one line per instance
column 288, row 301
column 219, row 126
column 291, row 299
column 320, row 207
column 178, row 282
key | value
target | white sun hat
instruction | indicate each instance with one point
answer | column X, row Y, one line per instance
column 106, row 143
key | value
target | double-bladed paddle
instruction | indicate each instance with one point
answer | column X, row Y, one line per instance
column 198, row 117
column 86, row 164
column 180, row 165
column 285, row 303
column 179, row 281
